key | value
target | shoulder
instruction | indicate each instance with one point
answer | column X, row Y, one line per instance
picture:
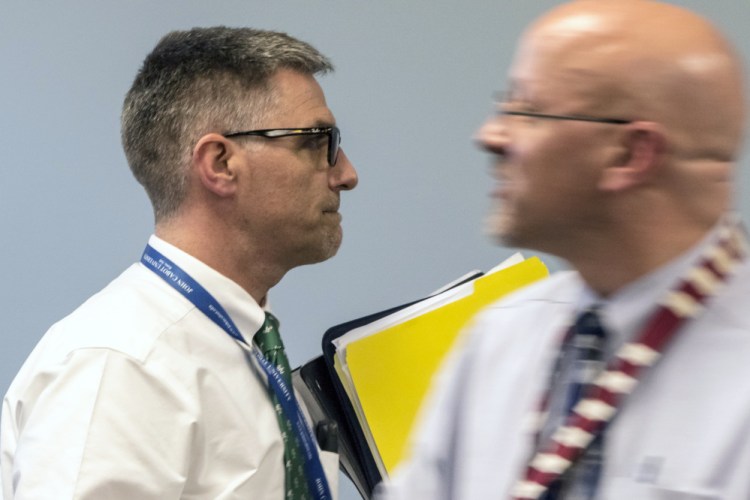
column 113, row 338
column 559, row 290
column 526, row 321
column 127, row 316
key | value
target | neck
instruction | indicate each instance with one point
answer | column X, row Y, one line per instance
column 610, row 262
column 218, row 247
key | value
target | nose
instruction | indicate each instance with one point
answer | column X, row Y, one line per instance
column 492, row 136
column 343, row 176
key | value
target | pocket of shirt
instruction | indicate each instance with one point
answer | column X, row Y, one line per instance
column 330, row 462
column 625, row 488
column 676, row 494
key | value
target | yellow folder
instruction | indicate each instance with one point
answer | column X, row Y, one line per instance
column 391, row 369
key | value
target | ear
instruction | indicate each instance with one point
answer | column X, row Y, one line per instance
column 642, row 151
column 213, row 159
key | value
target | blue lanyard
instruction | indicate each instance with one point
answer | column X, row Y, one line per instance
column 205, row 302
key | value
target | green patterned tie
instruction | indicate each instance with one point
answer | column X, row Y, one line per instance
column 269, row 341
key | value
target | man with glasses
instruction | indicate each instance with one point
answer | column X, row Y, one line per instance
column 627, row 378
column 172, row 382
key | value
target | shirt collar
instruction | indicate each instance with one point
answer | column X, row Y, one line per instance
column 240, row 305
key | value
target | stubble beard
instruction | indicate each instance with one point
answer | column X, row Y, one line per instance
column 327, row 247
column 498, row 225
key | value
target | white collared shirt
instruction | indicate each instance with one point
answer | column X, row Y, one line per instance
column 684, row 434
column 138, row 395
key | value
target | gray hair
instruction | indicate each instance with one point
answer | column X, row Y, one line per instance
column 199, row 81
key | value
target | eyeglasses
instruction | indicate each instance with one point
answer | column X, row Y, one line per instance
column 580, row 118
column 333, row 133
column 505, row 99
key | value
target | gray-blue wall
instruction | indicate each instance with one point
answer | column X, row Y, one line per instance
column 414, row 79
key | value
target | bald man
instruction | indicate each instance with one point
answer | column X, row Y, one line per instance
column 629, row 377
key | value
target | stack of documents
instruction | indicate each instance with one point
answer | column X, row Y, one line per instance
column 376, row 370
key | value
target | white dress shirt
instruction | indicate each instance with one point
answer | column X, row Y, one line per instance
column 138, row 395
column 684, row 433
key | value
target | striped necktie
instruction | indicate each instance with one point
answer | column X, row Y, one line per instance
column 269, row 342
column 588, row 344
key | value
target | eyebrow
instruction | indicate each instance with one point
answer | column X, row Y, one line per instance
column 323, row 123
column 510, row 95
column 513, row 89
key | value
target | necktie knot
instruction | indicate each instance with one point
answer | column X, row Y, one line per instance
column 589, row 323
column 589, row 342
column 268, row 338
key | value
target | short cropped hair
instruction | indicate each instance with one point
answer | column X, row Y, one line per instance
column 195, row 82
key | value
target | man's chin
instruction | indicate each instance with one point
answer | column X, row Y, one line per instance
column 328, row 248
column 498, row 227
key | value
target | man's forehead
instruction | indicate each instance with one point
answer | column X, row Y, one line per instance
column 300, row 96
column 547, row 62
column 570, row 51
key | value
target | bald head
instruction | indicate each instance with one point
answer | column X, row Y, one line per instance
column 624, row 119
column 644, row 60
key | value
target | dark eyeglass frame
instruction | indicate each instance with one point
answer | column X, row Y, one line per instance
column 579, row 118
column 333, row 133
